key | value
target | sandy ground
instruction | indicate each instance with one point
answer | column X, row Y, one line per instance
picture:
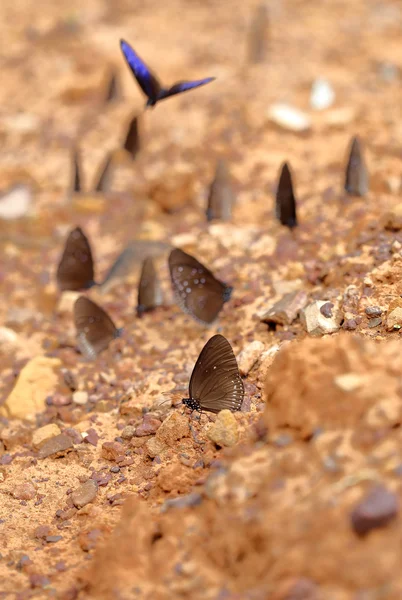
column 135, row 500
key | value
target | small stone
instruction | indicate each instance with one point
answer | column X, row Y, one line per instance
column 322, row 95
column 115, row 469
column 42, row 531
column 102, row 478
column 57, row 446
column 80, row 398
column 349, row 382
column 70, row 380
column 392, row 220
column 173, row 428
column 373, row 311
column 224, row 431
column 25, row 491
column 289, row 117
column 128, row 432
column 249, row 356
column 112, row 451
column 286, row 310
column 326, row 309
column 15, row 202
column 149, row 425
column 394, row 317
column 349, row 324
column 315, row 323
column 53, row 539
column 154, row 447
column 44, row 434
column 193, row 499
column 374, row 322
column 91, row 437
column 8, row 336
column 377, row 509
column 85, row 494
column 36, row 381
column 88, row 539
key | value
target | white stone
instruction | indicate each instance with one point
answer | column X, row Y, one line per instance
column 80, row 398
column 322, row 95
column 314, row 321
column 289, row 117
column 67, row 301
column 15, row 202
column 7, row 336
column 249, row 356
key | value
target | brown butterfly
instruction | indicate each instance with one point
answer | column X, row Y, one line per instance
column 76, row 268
column 285, row 199
column 149, row 289
column 95, row 329
column 197, row 291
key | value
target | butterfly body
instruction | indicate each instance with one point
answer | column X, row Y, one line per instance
column 149, row 83
column 215, row 382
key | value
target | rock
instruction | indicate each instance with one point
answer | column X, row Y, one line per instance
column 67, row 301
column 326, row 310
column 322, row 95
column 15, row 202
column 289, row 118
column 349, row 382
column 392, row 220
column 173, row 191
column 193, row 499
column 154, row 447
column 173, row 428
column 314, row 321
column 36, row 381
column 57, row 446
column 150, row 425
column 349, row 324
column 249, row 356
column 42, row 531
column 285, row 311
column 113, row 451
column 375, row 322
column 80, row 398
column 266, row 360
column 128, row 432
column 377, row 509
column 25, row 491
column 394, row 319
column 224, row 431
column 373, row 311
column 91, row 437
column 85, row 494
column 8, row 336
column 44, row 434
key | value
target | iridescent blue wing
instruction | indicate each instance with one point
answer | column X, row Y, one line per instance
column 184, row 86
column 146, row 80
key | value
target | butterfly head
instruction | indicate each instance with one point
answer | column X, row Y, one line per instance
column 192, row 404
column 227, row 293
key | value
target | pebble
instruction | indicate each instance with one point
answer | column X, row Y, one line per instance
column 52, row 539
column 112, row 450
column 286, row 310
column 314, row 321
column 80, row 398
column 67, row 301
column 154, row 447
column 288, row 117
column 249, row 356
column 326, row 309
column 224, row 432
column 91, row 437
column 374, row 322
column 25, row 491
column 128, row 432
column 193, row 499
column 377, row 509
column 349, row 325
column 85, row 494
column 373, row 311
column 15, row 202
column 149, row 425
column 36, row 381
column 57, row 445
column 42, row 531
column 8, row 336
column 44, row 434
column 394, row 319
column 322, row 95
column 349, row 382
column 102, row 478
column 173, row 428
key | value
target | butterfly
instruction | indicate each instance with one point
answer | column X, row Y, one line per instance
column 76, row 267
column 285, row 200
column 196, row 289
column 149, row 83
column 215, row 382
column 132, row 141
column 149, row 290
column 357, row 178
column 220, row 198
column 95, row 329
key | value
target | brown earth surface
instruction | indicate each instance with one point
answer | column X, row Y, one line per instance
column 124, row 494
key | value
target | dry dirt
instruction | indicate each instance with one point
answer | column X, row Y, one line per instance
column 136, row 501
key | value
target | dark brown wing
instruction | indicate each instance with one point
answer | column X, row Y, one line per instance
column 76, row 268
column 149, row 289
column 285, row 199
column 95, row 329
column 356, row 179
column 215, row 381
column 197, row 291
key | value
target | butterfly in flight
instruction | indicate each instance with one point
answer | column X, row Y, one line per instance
column 197, row 291
column 149, row 289
column 76, row 267
column 285, row 200
column 215, row 382
column 149, row 83
column 95, row 329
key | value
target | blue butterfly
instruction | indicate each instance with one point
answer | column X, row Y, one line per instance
column 149, row 83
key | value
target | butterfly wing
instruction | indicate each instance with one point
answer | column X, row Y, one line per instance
column 145, row 78
column 220, row 198
column 285, row 199
column 197, row 291
column 184, row 86
column 76, row 268
column 149, row 290
column 357, row 180
column 215, row 381
column 95, row 329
